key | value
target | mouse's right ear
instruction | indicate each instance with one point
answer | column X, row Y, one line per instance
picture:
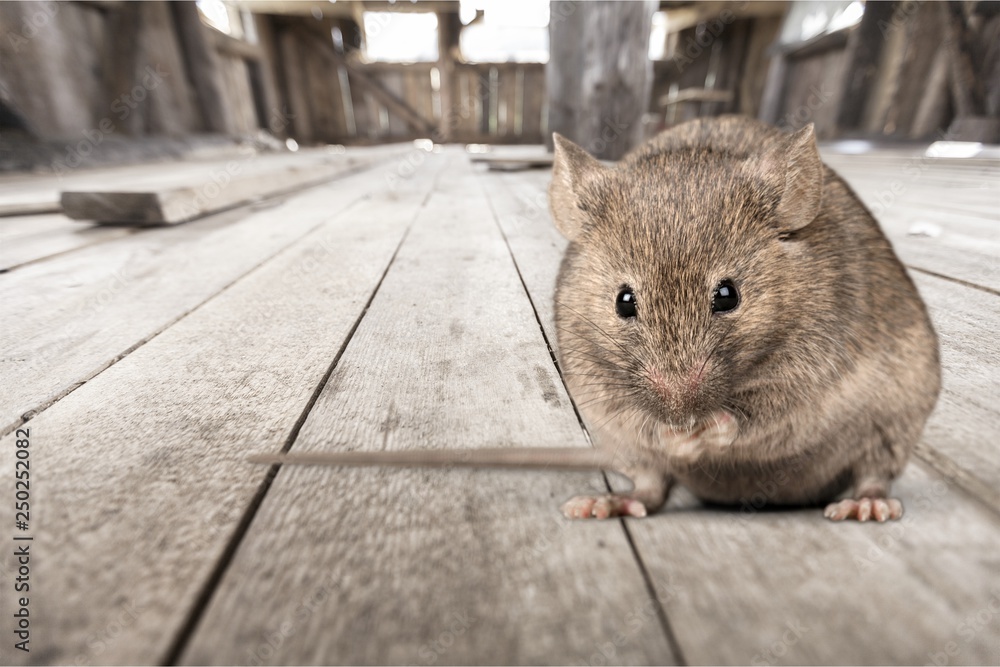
column 572, row 169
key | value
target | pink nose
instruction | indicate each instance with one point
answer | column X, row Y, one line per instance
column 678, row 388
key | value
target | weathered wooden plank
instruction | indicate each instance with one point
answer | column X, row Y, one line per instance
column 367, row 83
column 204, row 69
column 141, row 478
column 598, row 74
column 505, row 162
column 961, row 242
column 291, row 44
column 399, row 127
column 236, row 76
column 411, row 566
column 965, row 427
column 30, row 238
column 790, row 587
column 534, row 104
column 69, row 318
column 184, row 196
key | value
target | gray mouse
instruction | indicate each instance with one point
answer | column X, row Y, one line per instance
column 730, row 318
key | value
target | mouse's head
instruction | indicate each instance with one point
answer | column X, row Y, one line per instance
column 685, row 271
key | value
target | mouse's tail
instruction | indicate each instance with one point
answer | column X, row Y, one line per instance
column 558, row 458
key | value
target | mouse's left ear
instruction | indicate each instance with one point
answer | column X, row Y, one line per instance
column 803, row 169
column 572, row 169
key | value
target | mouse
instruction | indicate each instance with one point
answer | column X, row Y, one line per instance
column 729, row 318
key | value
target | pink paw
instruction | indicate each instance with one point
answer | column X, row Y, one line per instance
column 602, row 507
column 862, row 509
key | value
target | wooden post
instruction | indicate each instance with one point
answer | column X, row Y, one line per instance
column 599, row 75
column 449, row 28
column 864, row 50
column 966, row 86
column 204, row 69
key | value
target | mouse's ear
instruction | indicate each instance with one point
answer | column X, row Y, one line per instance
column 572, row 168
column 803, row 168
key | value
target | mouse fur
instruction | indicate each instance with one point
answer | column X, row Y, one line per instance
column 820, row 380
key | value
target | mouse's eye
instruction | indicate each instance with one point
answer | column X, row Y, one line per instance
column 726, row 297
column 625, row 303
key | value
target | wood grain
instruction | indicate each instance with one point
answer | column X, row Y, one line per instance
column 141, row 474
column 965, row 426
column 69, row 318
column 418, row 567
column 181, row 195
column 25, row 239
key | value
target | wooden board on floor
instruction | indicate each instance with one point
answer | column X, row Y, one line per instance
column 68, row 318
column 414, row 566
column 962, row 434
column 140, row 475
column 511, row 162
column 182, row 194
column 26, row 239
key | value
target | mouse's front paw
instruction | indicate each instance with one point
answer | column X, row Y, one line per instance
column 603, row 507
column 862, row 509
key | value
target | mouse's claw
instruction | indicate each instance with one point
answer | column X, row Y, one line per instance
column 603, row 506
column 862, row 509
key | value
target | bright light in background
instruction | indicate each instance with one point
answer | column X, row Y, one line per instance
column 658, row 37
column 216, row 14
column 510, row 31
column 806, row 20
column 401, row 37
column 851, row 15
column 954, row 149
column 854, row 146
column 507, row 13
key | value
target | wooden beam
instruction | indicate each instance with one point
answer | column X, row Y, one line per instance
column 599, row 75
column 449, row 28
column 690, row 16
column 203, row 67
column 864, row 50
column 235, row 47
column 183, row 194
column 368, row 84
column 697, row 95
column 966, row 87
column 293, row 78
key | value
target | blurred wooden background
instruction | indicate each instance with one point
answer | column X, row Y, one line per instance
column 156, row 70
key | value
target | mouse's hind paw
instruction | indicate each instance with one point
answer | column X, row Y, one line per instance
column 603, row 506
column 863, row 509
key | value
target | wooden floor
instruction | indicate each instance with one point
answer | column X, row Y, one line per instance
column 410, row 306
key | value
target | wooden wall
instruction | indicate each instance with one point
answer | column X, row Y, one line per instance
column 141, row 69
column 334, row 96
column 717, row 60
column 72, row 70
column 69, row 70
column 898, row 74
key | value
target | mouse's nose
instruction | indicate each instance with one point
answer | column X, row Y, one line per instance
column 679, row 391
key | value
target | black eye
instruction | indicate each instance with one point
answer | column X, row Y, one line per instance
column 726, row 297
column 625, row 303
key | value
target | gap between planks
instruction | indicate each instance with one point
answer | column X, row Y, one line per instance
column 199, row 398
column 201, row 603
column 146, row 256
column 416, row 545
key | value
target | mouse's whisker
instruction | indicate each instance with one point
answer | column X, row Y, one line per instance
column 601, row 331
